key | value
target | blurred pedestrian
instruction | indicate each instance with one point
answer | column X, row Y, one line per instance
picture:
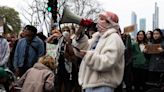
column 4, row 51
column 39, row 78
column 10, row 64
column 64, row 77
column 156, row 65
column 4, row 80
column 128, row 62
column 140, row 62
column 28, row 50
column 149, row 36
column 54, row 37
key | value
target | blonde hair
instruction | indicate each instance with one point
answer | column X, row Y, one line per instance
column 48, row 61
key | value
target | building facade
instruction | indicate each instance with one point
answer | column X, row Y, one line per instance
column 143, row 24
column 156, row 17
column 134, row 22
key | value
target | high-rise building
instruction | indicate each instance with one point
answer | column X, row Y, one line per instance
column 134, row 22
column 143, row 24
column 156, row 17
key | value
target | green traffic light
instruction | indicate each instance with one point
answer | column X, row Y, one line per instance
column 49, row 9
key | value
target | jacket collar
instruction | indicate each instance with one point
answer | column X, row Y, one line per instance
column 105, row 34
column 40, row 66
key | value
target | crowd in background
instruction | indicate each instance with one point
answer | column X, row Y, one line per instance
column 142, row 68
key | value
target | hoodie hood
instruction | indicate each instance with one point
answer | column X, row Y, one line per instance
column 40, row 66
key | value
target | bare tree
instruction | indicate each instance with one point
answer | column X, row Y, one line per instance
column 84, row 8
column 36, row 13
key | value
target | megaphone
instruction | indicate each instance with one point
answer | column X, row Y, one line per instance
column 69, row 17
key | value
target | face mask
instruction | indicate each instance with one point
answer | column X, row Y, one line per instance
column 102, row 25
column 65, row 34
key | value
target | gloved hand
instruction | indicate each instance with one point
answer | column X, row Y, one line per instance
column 86, row 22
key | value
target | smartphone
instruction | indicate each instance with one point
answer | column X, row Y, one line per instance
column 76, row 48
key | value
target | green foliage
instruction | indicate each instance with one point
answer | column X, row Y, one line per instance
column 12, row 18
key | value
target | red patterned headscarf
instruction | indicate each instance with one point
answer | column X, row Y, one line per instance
column 111, row 21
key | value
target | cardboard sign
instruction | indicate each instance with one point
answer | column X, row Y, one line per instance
column 152, row 48
column 51, row 50
column 129, row 29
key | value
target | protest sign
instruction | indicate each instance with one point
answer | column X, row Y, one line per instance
column 51, row 49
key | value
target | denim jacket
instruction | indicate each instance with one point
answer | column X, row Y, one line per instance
column 33, row 54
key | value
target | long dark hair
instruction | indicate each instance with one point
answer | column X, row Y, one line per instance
column 151, row 33
column 161, row 34
column 145, row 38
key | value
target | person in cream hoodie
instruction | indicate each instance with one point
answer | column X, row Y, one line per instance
column 102, row 67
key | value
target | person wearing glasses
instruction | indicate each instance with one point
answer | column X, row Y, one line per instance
column 28, row 50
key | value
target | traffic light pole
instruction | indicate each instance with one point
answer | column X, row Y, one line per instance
column 52, row 7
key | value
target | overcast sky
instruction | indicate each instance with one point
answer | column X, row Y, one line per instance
column 143, row 9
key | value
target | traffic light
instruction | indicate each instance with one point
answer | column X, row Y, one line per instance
column 50, row 5
column 55, row 11
column 53, row 8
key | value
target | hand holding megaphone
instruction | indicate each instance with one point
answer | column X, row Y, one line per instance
column 86, row 22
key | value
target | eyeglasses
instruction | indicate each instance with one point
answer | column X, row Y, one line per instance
column 25, row 30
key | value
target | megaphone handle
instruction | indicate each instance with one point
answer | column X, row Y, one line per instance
column 60, row 28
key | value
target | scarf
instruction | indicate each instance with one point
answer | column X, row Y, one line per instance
column 111, row 21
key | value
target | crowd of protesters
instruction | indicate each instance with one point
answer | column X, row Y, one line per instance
column 88, row 59
column 143, row 65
